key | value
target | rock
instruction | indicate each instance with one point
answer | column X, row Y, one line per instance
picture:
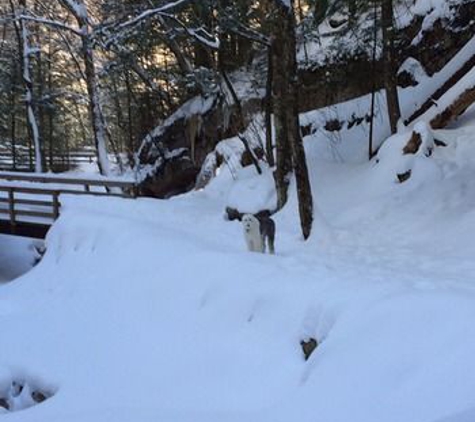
column 176, row 176
column 404, row 176
column 333, row 125
column 39, row 396
column 406, row 79
column 173, row 154
column 4, row 403
column 308, row 347
column 413, row 144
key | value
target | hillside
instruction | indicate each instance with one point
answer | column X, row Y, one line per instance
column 173, row 319
column 337, row 76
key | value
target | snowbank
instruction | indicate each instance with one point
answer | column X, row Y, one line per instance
column 152, row 310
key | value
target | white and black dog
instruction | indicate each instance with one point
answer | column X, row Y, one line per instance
column 258, row 232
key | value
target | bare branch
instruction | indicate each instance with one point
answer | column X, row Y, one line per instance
column 151, row 13
column 54, row 24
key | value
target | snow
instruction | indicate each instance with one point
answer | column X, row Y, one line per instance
column 391, row 160
column 431, row 11
column 152, row 310
column 414, row 68
column 250, row 194
column 78, row 7
column 466, row 83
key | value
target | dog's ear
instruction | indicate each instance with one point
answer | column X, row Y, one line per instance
column 233, row 214
column 263, row 214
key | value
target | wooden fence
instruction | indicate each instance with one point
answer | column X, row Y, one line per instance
column 57, row 162
column 30, row 206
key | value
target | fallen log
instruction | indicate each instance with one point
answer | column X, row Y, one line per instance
column 457, row 108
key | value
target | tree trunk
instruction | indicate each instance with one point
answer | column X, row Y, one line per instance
column 50, row 110
column 182, row 61
column 268, row 111
column 390, row 64
column 279, row 95
column 23, row 36
column 290, row 149
column 320, row 11
column 40, row 108
column 13, row 117
column 79, row 11
column 352, row 12
column 94, row 107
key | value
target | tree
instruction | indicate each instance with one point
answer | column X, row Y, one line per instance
column 290, row 151
column 25, row 49
column 390, row 63
column 80, row 12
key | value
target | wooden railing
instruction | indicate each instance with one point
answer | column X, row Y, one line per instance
column 77, row 185
column 39, row 211
column 26, row 201
column 58, row 162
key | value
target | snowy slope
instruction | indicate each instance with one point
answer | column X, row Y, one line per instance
column 350, row 143
column 152, row 310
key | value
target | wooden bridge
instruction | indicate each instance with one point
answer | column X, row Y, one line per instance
column 30, row 203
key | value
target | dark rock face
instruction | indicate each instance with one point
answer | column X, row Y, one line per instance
column 176, row 150
column 176, row 176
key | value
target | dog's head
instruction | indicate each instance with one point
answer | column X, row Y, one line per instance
column 249, row 222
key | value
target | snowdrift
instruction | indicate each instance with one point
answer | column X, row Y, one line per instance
column 152, row 310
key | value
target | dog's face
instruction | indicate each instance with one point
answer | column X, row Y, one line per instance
column 249, row 222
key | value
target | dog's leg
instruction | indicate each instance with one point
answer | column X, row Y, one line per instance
column 271, row 246
column 263, row 244
column 270, row 240
column 249, row 244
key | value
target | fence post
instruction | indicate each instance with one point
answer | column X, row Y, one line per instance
column 11, row 208
column 56, row 204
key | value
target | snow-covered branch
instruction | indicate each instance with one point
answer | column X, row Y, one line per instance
column 199, row 34
column 51, row 23
column 151, row 13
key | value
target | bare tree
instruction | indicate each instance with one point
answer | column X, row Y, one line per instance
column 289, row 145
column 25, row 50
column 390, row 63
column 79, row 10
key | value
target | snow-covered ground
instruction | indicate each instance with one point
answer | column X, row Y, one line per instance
column 150, row 310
